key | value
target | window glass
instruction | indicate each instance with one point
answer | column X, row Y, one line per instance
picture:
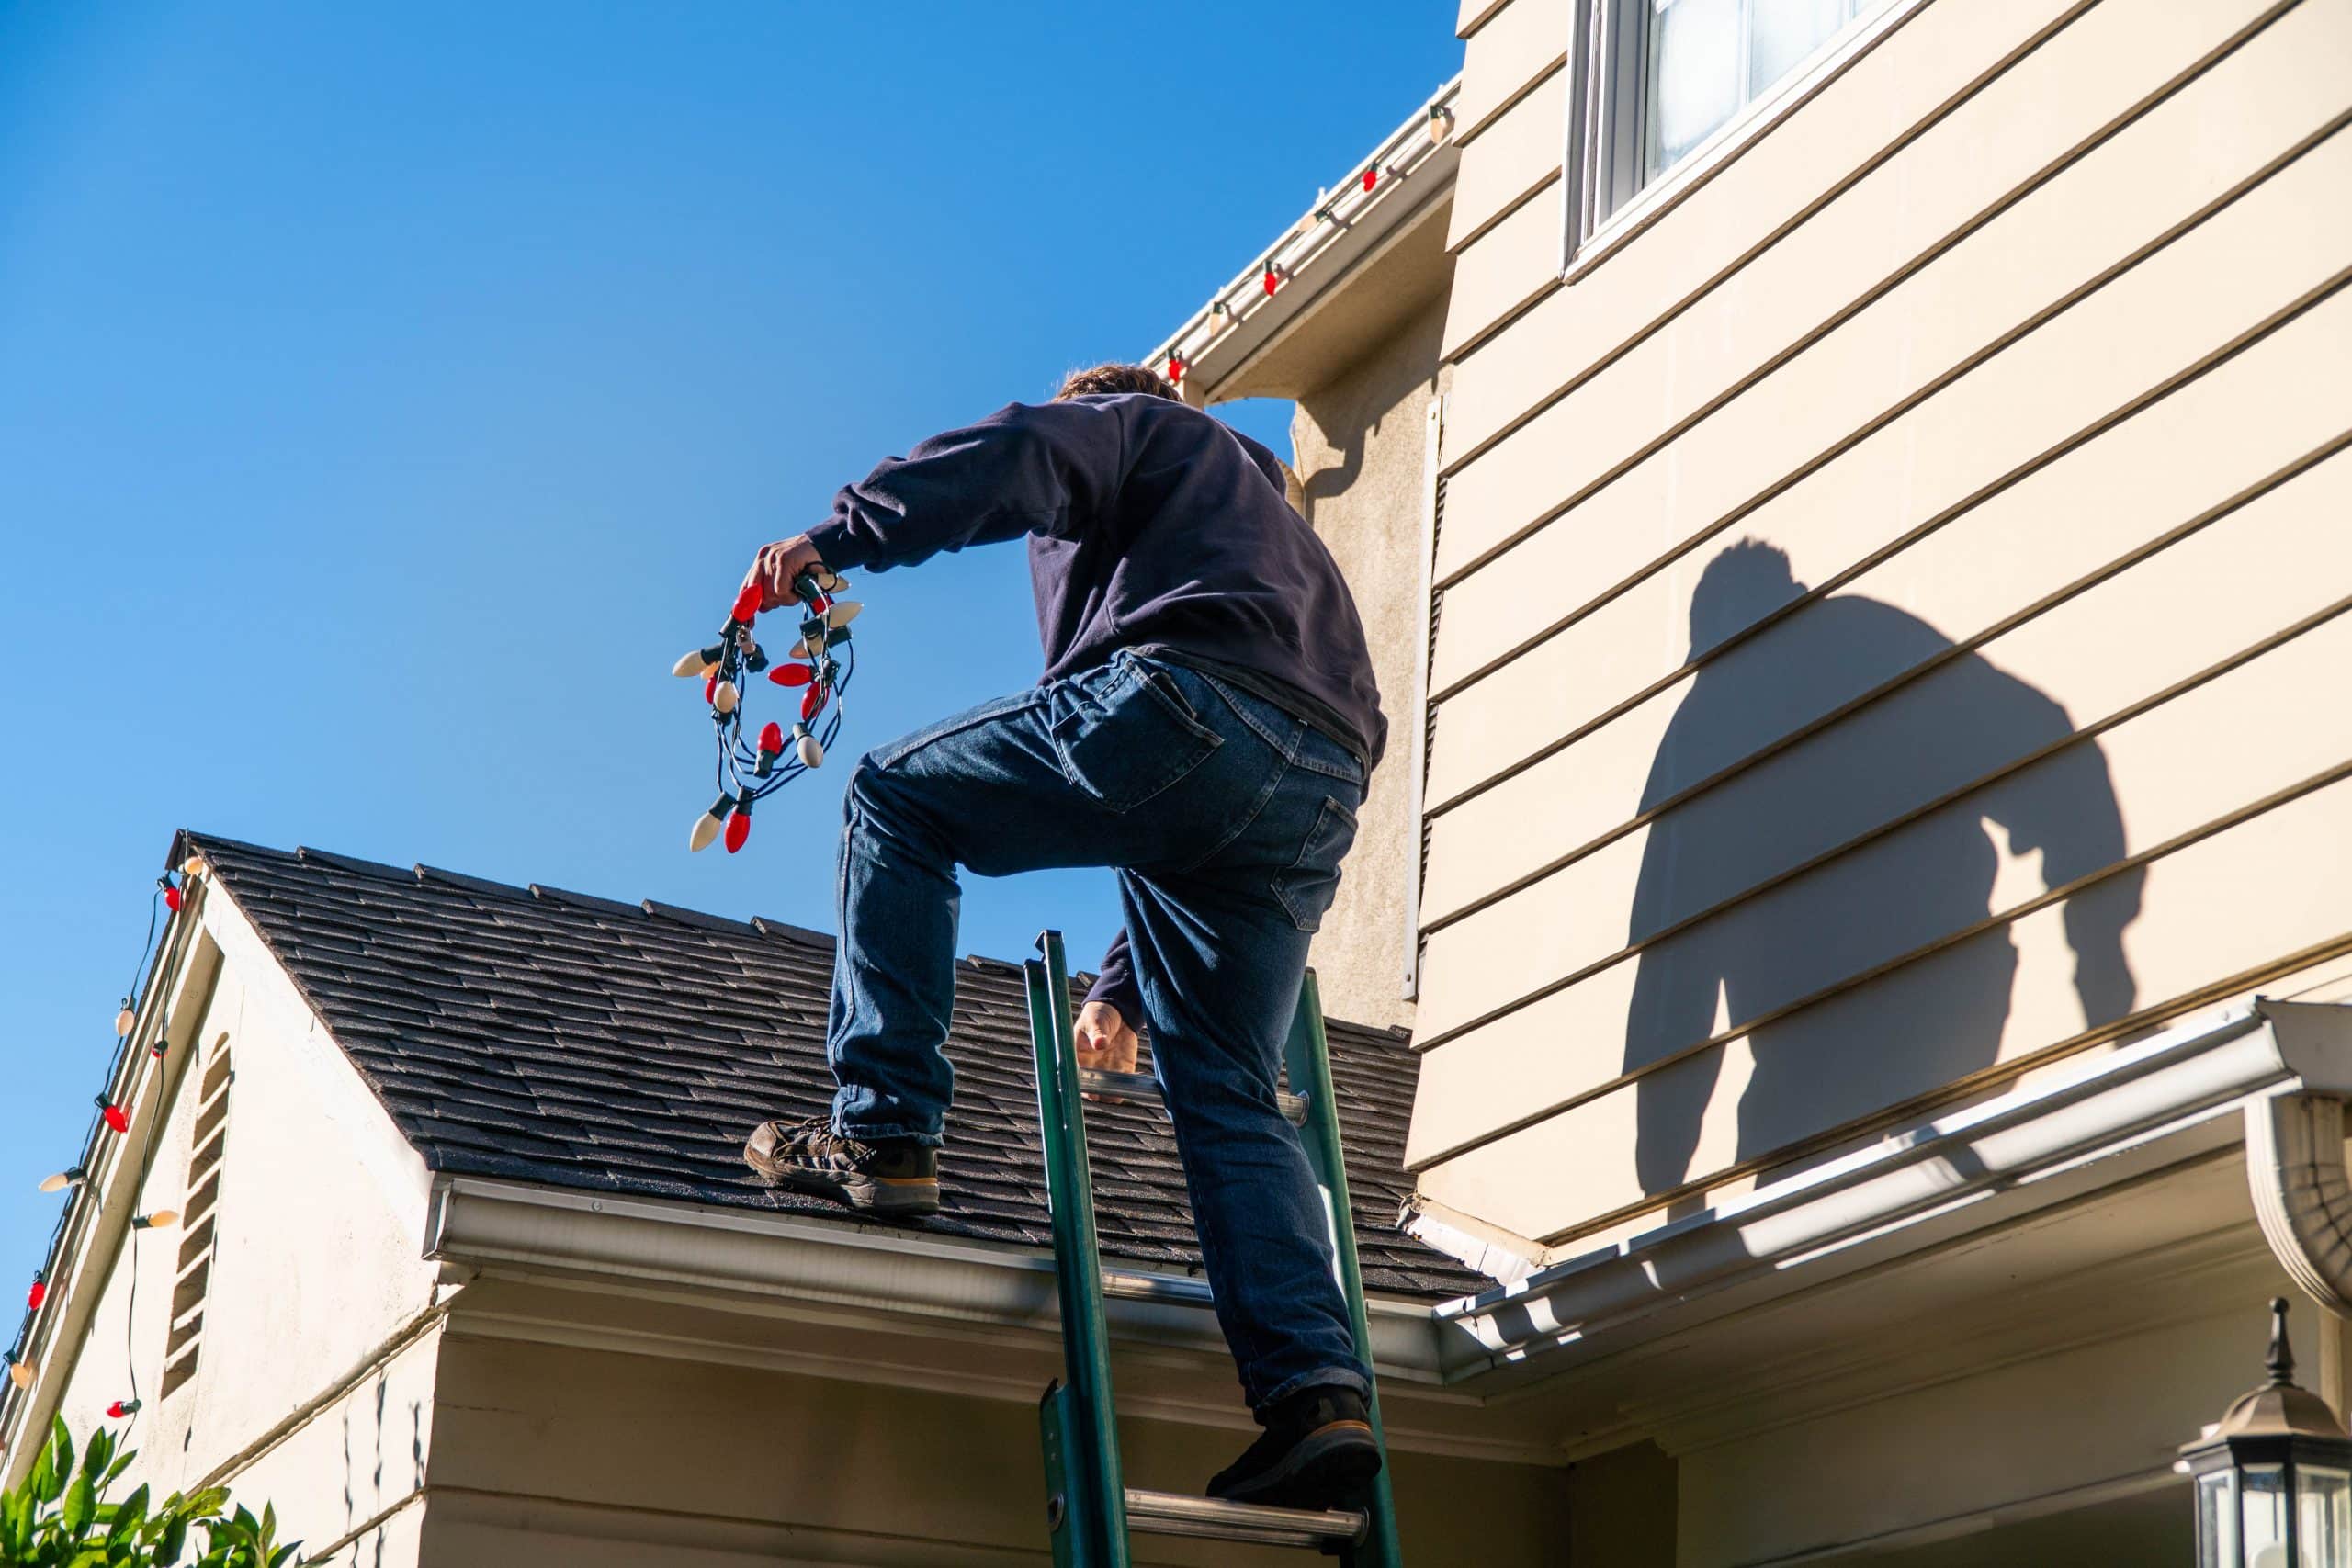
column 1694, row 76
column 2324, row 1532
column 1708, row 59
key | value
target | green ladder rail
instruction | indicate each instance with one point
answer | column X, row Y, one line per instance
column 1090, row 1509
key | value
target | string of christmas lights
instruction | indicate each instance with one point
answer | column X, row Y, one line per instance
column 1333, row 213
column 749, row 772
column 169, row 899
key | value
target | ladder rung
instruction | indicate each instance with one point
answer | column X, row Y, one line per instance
column 1145, row 1087
column 1174, row 1513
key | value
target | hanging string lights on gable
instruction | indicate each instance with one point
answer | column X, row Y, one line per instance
column 170, row 896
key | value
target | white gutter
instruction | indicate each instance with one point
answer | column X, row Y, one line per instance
column 1412, row 164
column 887, row 1273
column 2197, row 1074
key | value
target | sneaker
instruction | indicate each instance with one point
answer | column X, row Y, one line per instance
column 1318, row 1452
column 888, row 1176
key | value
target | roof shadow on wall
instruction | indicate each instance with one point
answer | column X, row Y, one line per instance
column 1933, row 1019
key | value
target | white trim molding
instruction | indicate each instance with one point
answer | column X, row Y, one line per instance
column 2162, row 1100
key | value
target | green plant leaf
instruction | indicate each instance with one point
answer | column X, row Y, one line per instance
column 96, row 1455
column 283, row 1554
column 114, row 1472
column 173, row 1542
column 41, row 1484
column 63, row 1442
column 206, row 1503
column 129, row 1514
column 81, row 1503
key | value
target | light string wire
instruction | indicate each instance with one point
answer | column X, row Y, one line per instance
column 141, row 978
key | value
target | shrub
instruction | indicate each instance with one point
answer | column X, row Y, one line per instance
column 60, row 1518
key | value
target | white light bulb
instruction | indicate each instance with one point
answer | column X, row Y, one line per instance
column 62, row 1181
column 705, row 832
column 843, row 612
column 20, row 1373
column 123, row 1021
column 812, row 754
column 723, row 697
column 192, row 866
column 161, row 1220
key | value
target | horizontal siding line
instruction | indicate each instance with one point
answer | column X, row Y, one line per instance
column 2334, row 775
column 2004, row 340
column 1911, row 269
column 1466, row 29
column 1941, row 519
column 1992, row 1078
column 1470, row 133
column 1584, row 972
column 1796, row 221
column 2138, row 709
column 1550, row 178
column 1973, row 643
column 1714, row 168
column 2089, row 731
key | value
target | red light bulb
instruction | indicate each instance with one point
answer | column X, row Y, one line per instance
column 1371, row 178
column 116, row 1117
column 710, row 686
column 811, row 701
column 38, row 1294
column 739, row 827
column 791, row 674
column 1272, row 281
column 172, row 899
column 1175, row 369
column 772, row 738
column 121, row 1409
column 747, row 603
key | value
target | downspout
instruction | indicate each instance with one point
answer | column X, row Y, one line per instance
column 2302, row 1198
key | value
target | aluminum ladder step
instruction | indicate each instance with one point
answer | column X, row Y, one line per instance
column 1144, row 1090
column 1176, row 1513
column 1090, row 1509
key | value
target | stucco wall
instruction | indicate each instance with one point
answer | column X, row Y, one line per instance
column 307, row 1391
column 1360, row 450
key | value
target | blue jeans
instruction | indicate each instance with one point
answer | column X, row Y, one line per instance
column 1225, row 818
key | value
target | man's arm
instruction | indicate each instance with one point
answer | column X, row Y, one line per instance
column 1025, row 469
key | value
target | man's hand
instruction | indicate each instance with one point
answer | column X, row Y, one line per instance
column 1105, row 1043
column 776, row 565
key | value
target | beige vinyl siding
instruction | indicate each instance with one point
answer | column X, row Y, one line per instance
column 1511, row 264
column 1526, row 42
column 2044, row 407
column 1519, row 155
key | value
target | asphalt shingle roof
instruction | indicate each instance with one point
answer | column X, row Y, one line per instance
column 561, row 1038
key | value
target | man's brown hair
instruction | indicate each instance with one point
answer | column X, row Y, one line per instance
column 1116, row 378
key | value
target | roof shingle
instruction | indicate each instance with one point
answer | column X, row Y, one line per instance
column 561, row 1038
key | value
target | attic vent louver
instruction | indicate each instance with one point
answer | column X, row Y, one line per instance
column 193, row 1278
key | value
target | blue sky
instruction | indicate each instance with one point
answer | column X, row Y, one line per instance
column 389, row 394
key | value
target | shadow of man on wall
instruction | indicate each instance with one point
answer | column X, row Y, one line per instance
column 1929, row 1020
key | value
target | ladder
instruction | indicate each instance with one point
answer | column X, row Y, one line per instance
column 1089, row 1507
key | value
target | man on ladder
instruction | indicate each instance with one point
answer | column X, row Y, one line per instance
column 1205, row 725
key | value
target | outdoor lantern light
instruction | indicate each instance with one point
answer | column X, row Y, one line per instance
column 2274, row 1478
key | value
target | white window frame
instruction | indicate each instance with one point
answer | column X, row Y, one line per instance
column 1604, row 131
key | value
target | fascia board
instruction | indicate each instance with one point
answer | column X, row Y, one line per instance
column 1316, row 255
column 897, row 1279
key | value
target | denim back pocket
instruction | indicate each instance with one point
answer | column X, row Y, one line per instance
column 1124, row 733
column 1308, row 888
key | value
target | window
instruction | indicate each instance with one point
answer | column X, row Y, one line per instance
column 1667, row 81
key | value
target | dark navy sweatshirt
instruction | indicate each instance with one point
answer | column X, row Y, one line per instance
column 1151, row 526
